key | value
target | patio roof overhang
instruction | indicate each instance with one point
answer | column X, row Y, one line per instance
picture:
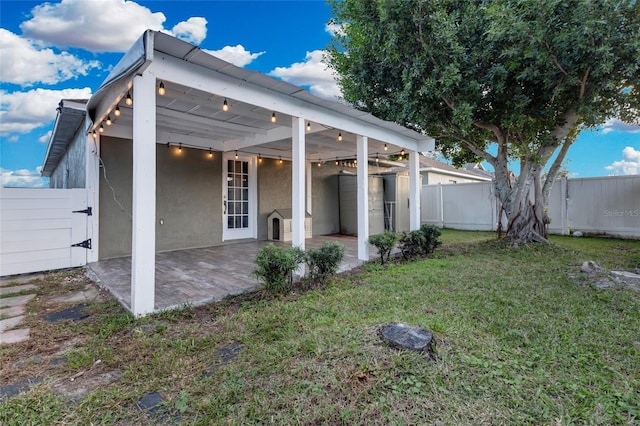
column 198, row 83
column 71, row 114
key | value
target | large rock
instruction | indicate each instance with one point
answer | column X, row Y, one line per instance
column 404, row 336
column 590, row 267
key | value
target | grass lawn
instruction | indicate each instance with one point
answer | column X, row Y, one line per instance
column 518, row 342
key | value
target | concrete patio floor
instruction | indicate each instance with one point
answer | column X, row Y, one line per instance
column 203, row 275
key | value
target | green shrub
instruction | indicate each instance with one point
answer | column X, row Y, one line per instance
column 384, row 242
column 419, row 243
column 276, row 265
column 324, row 261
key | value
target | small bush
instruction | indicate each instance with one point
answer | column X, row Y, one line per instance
column 384, row 242
column 276, row 265
column 324, row 261
column 419, row 243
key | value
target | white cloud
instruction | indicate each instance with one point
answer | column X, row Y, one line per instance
column 334, row 29
column 313, row 73
column 21, row 112
column 629, row 165
column 23, row 178
column 613, row 124
column 24, row 63
column 103, row 25
column 237, row 55
column 45, row 138
column 193, row 30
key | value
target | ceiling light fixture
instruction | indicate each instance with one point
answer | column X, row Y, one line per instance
column 161, row 90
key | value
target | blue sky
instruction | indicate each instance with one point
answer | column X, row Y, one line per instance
column 65, row 49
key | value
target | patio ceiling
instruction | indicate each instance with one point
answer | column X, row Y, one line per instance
column 190, row 114
column 196, row 119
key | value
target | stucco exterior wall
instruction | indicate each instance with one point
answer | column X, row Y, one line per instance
column 188, row 198
column 274, row 190
column 70, row 172
column 325, row 200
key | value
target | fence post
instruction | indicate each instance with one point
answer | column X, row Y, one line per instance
column 564, row 199
column 441, row 206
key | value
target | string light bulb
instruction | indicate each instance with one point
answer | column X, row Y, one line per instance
column 101, row 128
column 180, row 147
column 108, row 120
column 377, row 158
column 319, row 162
column 281, row 159
column 385, row 147
column 225, row 105
column 94, row 134
column 273, row 117
column 117, row 111
column 128, row 100
column 210, row 153
column 259, row 158
column 161, row 90
column 336, row 161
column 236, row 154
column 308, row 126
column 340, row 137
column 402, row 152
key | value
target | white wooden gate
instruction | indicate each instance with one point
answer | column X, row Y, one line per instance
column 42, row 229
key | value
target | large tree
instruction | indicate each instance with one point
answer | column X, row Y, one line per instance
column 496, row 80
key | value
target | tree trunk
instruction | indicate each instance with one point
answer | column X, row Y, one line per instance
column 524, row 206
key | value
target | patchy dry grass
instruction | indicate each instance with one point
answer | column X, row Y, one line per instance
column 518, row 342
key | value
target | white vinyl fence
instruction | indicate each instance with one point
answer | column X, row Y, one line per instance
column 605, row 205
column 39, row 228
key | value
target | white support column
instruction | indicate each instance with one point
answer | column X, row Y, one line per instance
column 414, row 190
column 363, row 197
column 92, row 157
column 298, row 166
column 309, row 193
column 143, row 250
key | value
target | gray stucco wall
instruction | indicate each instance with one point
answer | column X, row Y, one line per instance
column 274, row 190
column 325, row 201
column 70, row 171
column 188, row 198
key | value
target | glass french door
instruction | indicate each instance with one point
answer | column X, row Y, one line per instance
column 239, row 197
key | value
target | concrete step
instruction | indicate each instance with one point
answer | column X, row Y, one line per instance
column 16, row 300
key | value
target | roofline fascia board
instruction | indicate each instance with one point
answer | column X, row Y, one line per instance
column 44, row 171
column 71, row 108
column 169, row 68
column 457, row 174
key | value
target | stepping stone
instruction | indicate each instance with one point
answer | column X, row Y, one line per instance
column 88, row 294
column 74, row 314
column 14, row 389
column 19, row 279
column 14, row 336
column 16, row 300
column 155, row 406
column 17, row 289
column 409, row 337
column 9, row 323
column 13, row 311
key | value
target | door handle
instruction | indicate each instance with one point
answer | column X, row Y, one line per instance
column 224, row 203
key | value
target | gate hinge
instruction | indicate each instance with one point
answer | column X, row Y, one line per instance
column 85, row 244
column 87, row 211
